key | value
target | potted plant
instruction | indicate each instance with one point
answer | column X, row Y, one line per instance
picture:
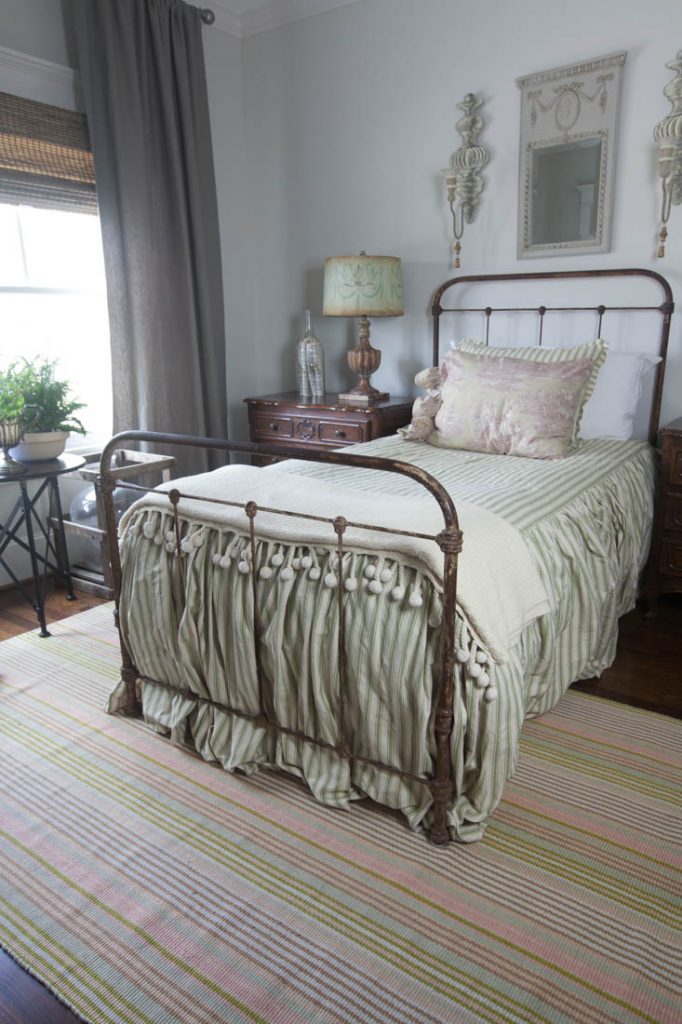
column 11, row 426
column 48, row 410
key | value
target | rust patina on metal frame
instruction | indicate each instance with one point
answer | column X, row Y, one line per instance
column 666, row 309
column 441, row 783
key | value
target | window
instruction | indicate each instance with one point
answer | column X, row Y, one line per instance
column 52, row 288
column 53, row 302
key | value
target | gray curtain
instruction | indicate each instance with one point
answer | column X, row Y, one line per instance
column 142, row 70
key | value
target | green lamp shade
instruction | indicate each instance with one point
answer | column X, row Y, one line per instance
column 363, row 286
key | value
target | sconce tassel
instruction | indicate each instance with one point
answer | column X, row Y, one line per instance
column 662, row 235
column 458, row 249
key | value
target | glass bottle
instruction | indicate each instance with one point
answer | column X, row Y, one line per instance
column 310, row 364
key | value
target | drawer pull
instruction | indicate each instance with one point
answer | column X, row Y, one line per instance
column 274, row 426
column 340, row 433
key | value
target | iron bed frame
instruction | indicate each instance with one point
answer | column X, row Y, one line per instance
column 449, row 540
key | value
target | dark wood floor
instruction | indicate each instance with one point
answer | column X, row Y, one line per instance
column 17, row 616
column 647, row 672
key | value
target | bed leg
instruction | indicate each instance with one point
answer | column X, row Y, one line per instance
column 131, row 705
column 439, row 833
column 104, row 487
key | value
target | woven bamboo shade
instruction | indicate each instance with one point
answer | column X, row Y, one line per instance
column 45, row 156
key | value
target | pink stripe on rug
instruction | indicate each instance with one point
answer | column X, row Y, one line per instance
column 207, row 897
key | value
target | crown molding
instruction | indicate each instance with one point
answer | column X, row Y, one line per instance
column 25, row 63
column 283, row 12
column 30, row 76
column 271, row 15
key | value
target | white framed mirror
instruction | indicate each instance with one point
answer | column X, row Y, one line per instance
column 567, row 157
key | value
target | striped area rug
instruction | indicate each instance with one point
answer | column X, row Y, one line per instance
column 145, row 886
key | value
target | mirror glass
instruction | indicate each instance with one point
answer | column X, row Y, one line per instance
column 567, row 164
column 565, row 191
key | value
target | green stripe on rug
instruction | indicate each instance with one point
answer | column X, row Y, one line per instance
column 565, row 911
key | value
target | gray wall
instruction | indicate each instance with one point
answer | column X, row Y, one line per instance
column 35, row 27
column 350, row 115
column 329, row 134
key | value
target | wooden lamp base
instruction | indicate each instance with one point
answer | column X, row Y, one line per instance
column 364, row 360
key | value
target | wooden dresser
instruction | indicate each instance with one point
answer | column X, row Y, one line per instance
column 667, row 541
column 285, row 419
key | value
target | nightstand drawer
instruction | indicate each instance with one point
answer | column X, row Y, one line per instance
column 671, row 557
column 341, row 433
column 269, row 427
column 675, row 472
column 672, row 512
column 321, row 424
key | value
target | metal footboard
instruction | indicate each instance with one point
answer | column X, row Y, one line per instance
column 449, row 540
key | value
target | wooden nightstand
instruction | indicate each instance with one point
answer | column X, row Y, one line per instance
column 328, row 423
column 666, row 562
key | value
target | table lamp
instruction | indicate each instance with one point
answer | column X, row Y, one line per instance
column 363, row 286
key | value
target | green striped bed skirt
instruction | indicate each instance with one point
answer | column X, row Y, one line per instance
column 586, row 520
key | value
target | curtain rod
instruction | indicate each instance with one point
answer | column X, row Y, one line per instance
column 207, row 15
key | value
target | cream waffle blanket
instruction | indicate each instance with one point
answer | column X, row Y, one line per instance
column 499, row 590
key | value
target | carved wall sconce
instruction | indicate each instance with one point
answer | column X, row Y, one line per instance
column 463, row 175
column 668, row 135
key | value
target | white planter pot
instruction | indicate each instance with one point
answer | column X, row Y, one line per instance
column 40, row 447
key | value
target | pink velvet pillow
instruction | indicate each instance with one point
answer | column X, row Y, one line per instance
column 508, row 406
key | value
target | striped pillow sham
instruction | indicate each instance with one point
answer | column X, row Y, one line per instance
column 433, row 410
column 509, row 406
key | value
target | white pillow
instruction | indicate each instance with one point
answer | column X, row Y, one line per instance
column 611, row 410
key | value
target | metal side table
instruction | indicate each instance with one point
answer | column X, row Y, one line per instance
column 26, row 513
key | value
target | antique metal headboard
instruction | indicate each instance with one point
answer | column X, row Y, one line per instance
column 665, row 309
